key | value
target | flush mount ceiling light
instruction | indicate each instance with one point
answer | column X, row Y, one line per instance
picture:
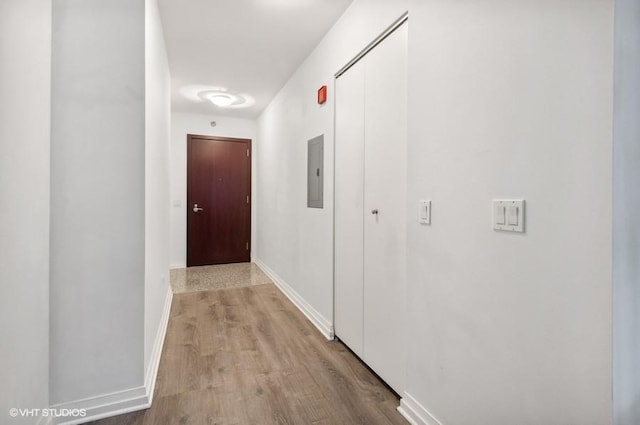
column 221, row 97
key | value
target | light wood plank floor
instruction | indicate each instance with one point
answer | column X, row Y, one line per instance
column 248, row 356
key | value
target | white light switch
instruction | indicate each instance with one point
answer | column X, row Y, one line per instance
column 177, row 203
column 513, row 215
column 499, row 214
column 424, row 212
column 508, row 215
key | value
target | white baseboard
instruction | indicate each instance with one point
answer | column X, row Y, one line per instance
column 414, row 412
column 103, row 406
column 178, row 266
column 154, row 361
column 125, row 401
column 323, row 325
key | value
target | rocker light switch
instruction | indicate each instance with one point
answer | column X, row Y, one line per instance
column 425, row 212
column 499, row 214
column 508, row 215
column 513, row 215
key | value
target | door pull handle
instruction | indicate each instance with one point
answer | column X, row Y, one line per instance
column 196, row 209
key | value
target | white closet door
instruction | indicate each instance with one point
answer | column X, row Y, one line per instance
column 349, row 226
column 385, row 185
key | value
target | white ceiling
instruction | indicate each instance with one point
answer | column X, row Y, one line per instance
column 247, row 46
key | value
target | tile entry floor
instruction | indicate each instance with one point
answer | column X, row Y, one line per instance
column 237, row 351
column 222, row 276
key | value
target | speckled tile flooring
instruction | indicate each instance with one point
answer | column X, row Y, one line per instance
column 222, row 276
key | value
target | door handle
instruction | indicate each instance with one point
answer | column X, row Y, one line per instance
column 375, row 211
column 196, row 209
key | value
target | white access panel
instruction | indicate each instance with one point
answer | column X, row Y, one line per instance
column 385, row 207
column 349, row 192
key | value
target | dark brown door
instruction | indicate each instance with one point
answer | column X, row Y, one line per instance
column 218, row 200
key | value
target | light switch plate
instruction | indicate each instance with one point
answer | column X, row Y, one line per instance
column 508, row 215
column 424, row 212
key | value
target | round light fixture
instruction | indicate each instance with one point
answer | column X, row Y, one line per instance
column 222, row 99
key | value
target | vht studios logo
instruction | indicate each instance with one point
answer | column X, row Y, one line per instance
column 48, row 413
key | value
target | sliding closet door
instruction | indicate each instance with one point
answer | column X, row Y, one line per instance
column 385, row 183
column 349, row 226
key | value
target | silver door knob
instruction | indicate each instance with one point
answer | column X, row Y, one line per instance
column 374, row 211
column 196, row 209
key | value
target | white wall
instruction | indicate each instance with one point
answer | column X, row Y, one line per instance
column 187, row 123
column 25, row 65
column 506, row 100
column 157, row 128
column 626, row 221
column 511, row 100
column 294, row 241
column 97, row 198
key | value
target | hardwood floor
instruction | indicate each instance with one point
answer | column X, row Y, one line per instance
column 248, row 356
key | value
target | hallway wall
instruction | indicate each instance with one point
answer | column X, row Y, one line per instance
column 506, row 100
column 626, row 220
column 97, row 198
column 294, row 241
column 109, row 204
column 188, row 123
column 510, row 100
column 25, row 85
column 157, row 129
